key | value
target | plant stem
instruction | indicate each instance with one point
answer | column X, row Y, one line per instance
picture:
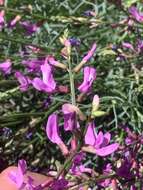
column 92, row 181
column 72, row 87
column 8, row 82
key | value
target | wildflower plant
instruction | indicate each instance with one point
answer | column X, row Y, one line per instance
column 81, row 126
column 88, row 106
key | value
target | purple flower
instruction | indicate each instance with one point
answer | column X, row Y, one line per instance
column 2, row 13
column 70, row 122
column 106, row 171
column 86, row 58
column 52, row 131
column 140, row 46
column 14, row 21
column 34, row 64
column 48, row 83
column 89, row 77
column 79, row 170
column 77, row 167
column 5, row 67
column 128, row 45
column 90, row 53
column 29, row 135
column 6, row 132
column 29, row 27
column 133, row 187
column 98, row 143
column 88, row 13
column 74, row 42
column 51, row 60
column 78, row 158
column 59, row 184
column 131, row 136
column 69, row 108
column 18, row 176
column 23, row 80
column 125, row 170
column 135, row 13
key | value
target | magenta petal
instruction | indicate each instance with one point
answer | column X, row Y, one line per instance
column 99, row 140
column 107, row 138
column 128, row 45
column 83, row 169
column 5, row 67
column 90, row 137
column 135, row 13
column 48, row 78
column 52, row 60
column 70, row 122
column 2, row 13
column 24, row 81
column 90, row 53
column 52, row 129
column 14, row 21
column 29, row 27
column 133, row 10
column 33, row 65
column 107, row 150
column 38, row 84
column 89, row 77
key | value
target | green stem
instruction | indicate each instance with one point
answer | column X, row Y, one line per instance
column 93, row 181
column 72, row 87
column 8, row 82
column 66, row 165
column 68, row 161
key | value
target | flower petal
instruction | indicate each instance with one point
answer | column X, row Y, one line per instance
column 90, row 53
column 99, row 140
column 107, row 150
column 89, row 77
column 90, row 137
column 107, row 138
column 48, row 78
column 38, row 84
column 24, row 81
column 5, row 67
column 135, row 13
column 52, row 129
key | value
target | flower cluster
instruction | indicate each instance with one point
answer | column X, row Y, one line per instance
column 84, row 138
